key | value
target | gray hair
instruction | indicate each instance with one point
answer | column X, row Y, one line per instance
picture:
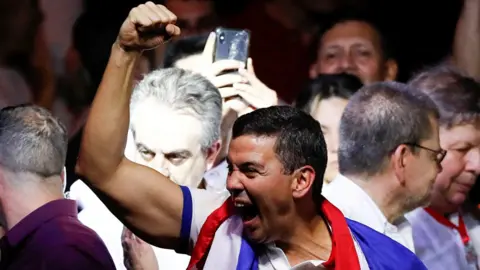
column 32, row 141
column 377, row 119
column 456, row 95
column 184, row 91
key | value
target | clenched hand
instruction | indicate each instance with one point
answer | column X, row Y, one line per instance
column 146, row 27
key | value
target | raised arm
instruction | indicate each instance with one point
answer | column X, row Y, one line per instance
column 466, row 47
column 143, row 199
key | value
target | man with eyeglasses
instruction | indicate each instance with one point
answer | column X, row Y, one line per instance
column 389, row 156
column 447, row 233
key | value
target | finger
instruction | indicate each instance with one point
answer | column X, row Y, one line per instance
column 226, row 80
column 245, row 91
column 224, row 65
column 250, row 77
column 227, row 92
column 124, row 232
column 152, row 14
column 138, row 18
column 173, row 30
column 250, row 66
column 172, row 17
column 209, row 49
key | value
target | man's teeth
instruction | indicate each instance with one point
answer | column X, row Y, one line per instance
column 239, row 205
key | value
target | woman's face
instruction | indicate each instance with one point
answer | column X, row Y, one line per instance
column 329, row 112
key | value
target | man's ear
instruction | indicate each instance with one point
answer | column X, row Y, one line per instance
column 212, row 153
column 312, row 72
column 303, row 181
column 391, row 67
column 400, row 157
column 63, row 176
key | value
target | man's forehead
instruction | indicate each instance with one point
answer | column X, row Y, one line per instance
column 459, row 135
column 353, row 31
column 250, row 148
column 160, row 128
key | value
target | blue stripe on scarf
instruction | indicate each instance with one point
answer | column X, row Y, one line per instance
column 247, row 260
column 382, row 252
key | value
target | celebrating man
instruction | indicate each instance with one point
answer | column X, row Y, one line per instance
column 277, row 159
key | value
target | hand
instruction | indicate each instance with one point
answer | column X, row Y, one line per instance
column 212, row 70
column 253, row 91
column 137, row 255
column 146, row 27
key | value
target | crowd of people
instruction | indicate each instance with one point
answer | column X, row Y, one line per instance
column 172, row 160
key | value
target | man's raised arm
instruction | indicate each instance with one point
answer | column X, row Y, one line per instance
column 143, row 199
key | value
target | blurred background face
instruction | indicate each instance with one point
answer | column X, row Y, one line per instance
column 461, row 165
column 19, row 22
column 194, row 16
column 168, row 141
column 328, row 113
column 352, row 47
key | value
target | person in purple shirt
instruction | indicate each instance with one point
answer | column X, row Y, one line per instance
column 41, row 227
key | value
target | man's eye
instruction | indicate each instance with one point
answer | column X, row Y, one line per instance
column 176, row 159
column 147, row 155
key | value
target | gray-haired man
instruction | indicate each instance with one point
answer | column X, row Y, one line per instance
column 174, row 129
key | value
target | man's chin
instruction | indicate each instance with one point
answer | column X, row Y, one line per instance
column 255, row 236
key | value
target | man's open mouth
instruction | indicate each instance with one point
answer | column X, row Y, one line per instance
column 246, row 210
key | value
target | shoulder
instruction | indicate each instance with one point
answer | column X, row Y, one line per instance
column 391, row 253
column 69, row 238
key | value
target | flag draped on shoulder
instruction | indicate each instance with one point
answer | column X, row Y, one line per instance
column 221, row 245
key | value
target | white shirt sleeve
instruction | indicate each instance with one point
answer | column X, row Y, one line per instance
column 198, row 204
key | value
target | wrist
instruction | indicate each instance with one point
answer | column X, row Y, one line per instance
column 121, row 51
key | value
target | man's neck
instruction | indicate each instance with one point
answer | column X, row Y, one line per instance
column 310, row 239
column 19, row 204
column 383, row 195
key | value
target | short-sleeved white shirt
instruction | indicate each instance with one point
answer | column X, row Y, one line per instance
column 199, row 204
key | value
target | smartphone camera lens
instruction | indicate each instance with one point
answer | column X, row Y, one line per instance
column 222, row 38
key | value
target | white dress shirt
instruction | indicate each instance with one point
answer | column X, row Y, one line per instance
column 357, row 205
column 440, row 247
column 95, row 215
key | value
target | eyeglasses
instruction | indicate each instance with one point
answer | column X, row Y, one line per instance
column 439, row 154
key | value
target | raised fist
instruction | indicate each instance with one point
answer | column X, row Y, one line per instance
column 146, row 27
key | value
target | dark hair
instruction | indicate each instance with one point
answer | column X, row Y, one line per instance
column 456, row 95
column 346, row 15
column 377, row 119
column 326, row 86
column 299, row 139
column 184, row 47
column 32, row 140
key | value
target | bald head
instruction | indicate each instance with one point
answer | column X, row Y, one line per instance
column 32, row 141
column 377, row 119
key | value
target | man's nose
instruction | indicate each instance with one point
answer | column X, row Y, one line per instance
column 346, row 63
column 159, row 163
column 234, row 183
column 473, row 161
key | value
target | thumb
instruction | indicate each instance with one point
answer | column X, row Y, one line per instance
column 172, row 30
column 250, row 66
column 209, row 49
